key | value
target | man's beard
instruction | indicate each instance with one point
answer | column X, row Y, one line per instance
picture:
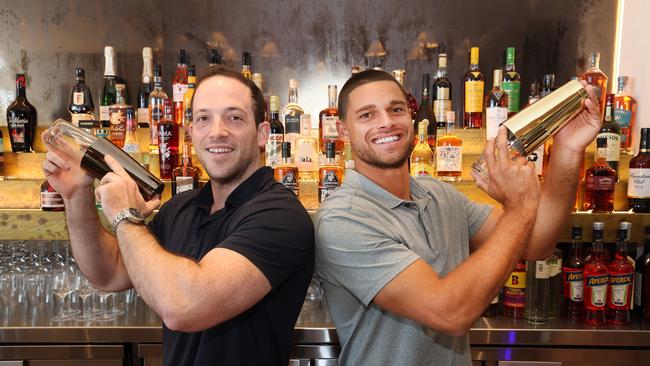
column 371, row 158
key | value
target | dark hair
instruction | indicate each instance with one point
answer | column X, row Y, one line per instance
column 359, row 79
column 257, row 97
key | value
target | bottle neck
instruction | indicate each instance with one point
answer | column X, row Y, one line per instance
column 81, row 80
column 293, row 95
column 109, row 66
column 191, row 82
column 510, row 67
column 157, row 82
column 330, row 160
column 449, row 127
column 473, row 67
column 20, row 87
column 332, row 98
column 425, row 96
column 422, row 135
column 442, row 72
column 274, row 115
column 621, row 248
column 576, row 245
column 287, row 161
column 147, row 70
column 644, row 145
column 187, row 155
column 597, row 249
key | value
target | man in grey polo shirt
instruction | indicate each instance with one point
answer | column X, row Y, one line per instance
column 409, row 265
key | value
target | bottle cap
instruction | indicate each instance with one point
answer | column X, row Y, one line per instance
column 594, row 59
column 293, row 83
column 182, row 57
column 191, row 70
column 497, row 75
column 274, row 103
column 599, row 225
column 442, row 60
column 576, row 232
column 79, row 72
column 625, row 225
column 246, row 59
column 109, row 51
column 147, row 52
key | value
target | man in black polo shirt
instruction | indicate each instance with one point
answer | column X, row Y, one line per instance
column 226, row 267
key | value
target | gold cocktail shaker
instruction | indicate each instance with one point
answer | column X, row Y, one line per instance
column 535, row 124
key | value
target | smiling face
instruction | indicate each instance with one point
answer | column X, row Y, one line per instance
column 223, row 130
column 378, row 124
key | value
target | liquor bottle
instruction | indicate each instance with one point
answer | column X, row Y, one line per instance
column 306, row 152
column 131, row 145
column 157, row 100
column 186, row 176
column 641, row 279
column 215, row 58
column 474, row 89
column 496, row 106
column 168, row 143
column 425, row 112
column 548, row 85
column 638, row 185
column 51, row 200
column 145, row 88
column 411, row 102
column 492, row 309
column 330, row 174
column 292, row 112
column 286, row 173
column 349, row 159
column 612, row 132
column 534, row 93
column 600, row 181
column 512, row 82
column 21, row 119
column 625, row 112
column 449, row 153
column 596, row 278
column 81, row 101
column 422, row 158
column 2, row 158
column 596, row 78
column 187, row 103
column 573, row 277
column 179, row 86
column 441, row 93
column 554, row 263
column 246, row 65
column 537, row 291
column 621, row 277
column 276, row 134
column 117, row 117
column 327, row 119
column 514, row 292
column 107, row 92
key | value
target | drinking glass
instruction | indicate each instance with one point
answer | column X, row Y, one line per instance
column 62, row 283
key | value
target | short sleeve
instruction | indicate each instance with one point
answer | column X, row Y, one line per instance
column 476, row 213
column 278, row 238
column 353, row 251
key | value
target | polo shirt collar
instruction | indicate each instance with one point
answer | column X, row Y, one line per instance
column 244, row 192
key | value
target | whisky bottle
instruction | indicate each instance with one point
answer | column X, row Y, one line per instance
column 474, row 89
column 327, row 119
column 186, row 176
column 107, row 95
column 600, row 181
column 330, row 174
column 276, row 134
column 422, row 158
column 596, row 279
column 179, row 86
column 425, row 112
column 157, row 100
column 246, row 65
column 187, row 103
column 449, row 153
column 258, row 80
column 548, row 85
column 117, row 117
column 496, row 106
column 534, row 93
column 514, row 292
column 21, row 119
column 642, row 280
column 146, row 86
column 596, row 78
column 348, row 158
column 292, row 112
column 621, row 280
column 81, row 101
column 306, row 152
column 441, row 93
column 638, row 185
column 512, row 82
column 214, row 58
column 611, row 131
column 625, row 112
column 51, row 200
column 168, row 143
column 286, row 173
column 573, row 277
column 412, row 103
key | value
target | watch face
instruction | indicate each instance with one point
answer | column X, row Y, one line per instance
column 137, row 214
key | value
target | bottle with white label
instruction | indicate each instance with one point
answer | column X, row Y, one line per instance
column 306, row 152
column 596, row 280
column 441, row 93
column 186, row 176
column 145, row 88
column 107, row 94
column 638, row 185
column 611, row 130
column 554, row 263
column 449, row 152
column 537, row 291
column 496, row 106
column 276, row 133
column 81, row 105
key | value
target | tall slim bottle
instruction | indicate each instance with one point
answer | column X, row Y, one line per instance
column 306, row 152
column 131, row 144
column 186, row 176
column 145, row 88
column 81, row 105
column 168, row 143
column 573, row 277
column 642, row 279
column 21, row 119
column 537, row 291
column 612, row 132
column 292, row 112
column 638, row 185
column 621, row 280
column 179, row 86
column 422, row 157
column 425, row 112
column 512, row 82
column 107, row 93
column 215, row 58
column 496, row 106
column 596, row 78
column 157, row 101
column 187, row 103
column 474, row 90
column 441, row 93
column 276, row 134
column 327, row 119
column 412, row 103
column 596, row 279
column 625, row 112
column 246, row 65
column 548, row 85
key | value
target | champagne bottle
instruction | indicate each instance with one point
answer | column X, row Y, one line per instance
column 107, row 94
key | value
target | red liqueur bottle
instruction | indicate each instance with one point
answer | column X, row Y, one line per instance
column 573, row 277
column 621, row 277
column 596, row 279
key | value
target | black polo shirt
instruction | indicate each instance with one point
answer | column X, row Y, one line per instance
column 266, row 223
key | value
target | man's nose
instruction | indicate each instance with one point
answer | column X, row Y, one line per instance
column 385, row 120
column 219, row 128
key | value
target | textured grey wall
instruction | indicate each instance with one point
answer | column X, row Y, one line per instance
column 317, row 41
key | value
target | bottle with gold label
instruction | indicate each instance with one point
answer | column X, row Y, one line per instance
column 449, row 152
column 422, row 159
column 474, row 88
column 330, row 174
column 187, row 103
column 286, row 173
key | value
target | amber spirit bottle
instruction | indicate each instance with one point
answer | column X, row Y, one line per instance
column 51, row 200
column 246, row 65
column 276, row 134
column 596, row 78
column 600, row 181
column 168, row 143
column 474, row 89
column 422, row 158
column 327, row 119
column 186, row 176
column 400, row 75
column 81, row 105
column 157, row 101
column 330, row 174
column 596, row 279
column 179, row 86
column 638, row 185
column 117, row 117
column 441, row 90
column 625, row 112
column 496, row 106
column 612, row 132
column 449, row 153
column 131, row 144
column 21, row 119
column 621, row 280
column 425, row 112
column 573, row 277
column 286, row 172
column 514, row 292
column 512, row 82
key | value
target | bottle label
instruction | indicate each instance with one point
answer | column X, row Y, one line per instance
column 291, row 124
column 306, row 156
column 178, row 92
column 327, row 185
column 78, row 98
column 600, row 183
column 613, row 146
column 495, row 300
column 620, row 290
column 441, row 107
column 638, row 289
column 623, row 118
column 143, row 116
column 494, row 117
column 514, row 291
column 184, row 184
column 541, row 270
column 290, row 181
column 329, row 127
column 449, row 158
column 51, row 200
column 131, row 148
column 513, row 89
column 537, row 158
column 573, row 283
column 596, row 287
column 638, row 186
column 554, row 266
column 274, row 149
column 104, row 113
column 474, row 96
column 420, row 169
column 17, row 128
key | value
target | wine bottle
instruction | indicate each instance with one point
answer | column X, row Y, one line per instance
column 441, row 93
column 167, row 143
column 157, row 100
column 21, row 119
column 474, row 88
column 425, row 112
column 145, row 88
column 81, row 105
column 179, row 86
column 107, row 92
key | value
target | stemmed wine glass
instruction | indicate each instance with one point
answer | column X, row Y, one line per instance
column 84, row 291
column 62, row 284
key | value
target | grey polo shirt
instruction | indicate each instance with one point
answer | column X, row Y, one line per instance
column 365, row 236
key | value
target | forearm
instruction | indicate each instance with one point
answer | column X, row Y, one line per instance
column 557, row 198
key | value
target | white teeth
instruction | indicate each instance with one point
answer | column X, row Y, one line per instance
column 220, row 150
column 386, row 139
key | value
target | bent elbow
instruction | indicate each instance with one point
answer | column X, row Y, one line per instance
column 454, row 323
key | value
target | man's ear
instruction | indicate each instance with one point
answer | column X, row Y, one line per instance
column 342, row 130
column 263, row 131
